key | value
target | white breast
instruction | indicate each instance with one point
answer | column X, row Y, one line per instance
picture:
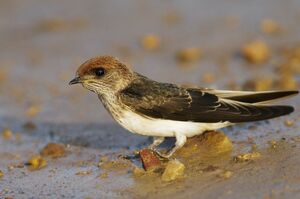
column 165, row 128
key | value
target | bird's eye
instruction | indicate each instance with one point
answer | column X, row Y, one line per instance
column 99, row 72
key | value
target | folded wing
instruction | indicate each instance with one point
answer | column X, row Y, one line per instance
column 170, row 102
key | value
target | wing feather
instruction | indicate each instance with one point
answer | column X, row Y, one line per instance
column 171, row 102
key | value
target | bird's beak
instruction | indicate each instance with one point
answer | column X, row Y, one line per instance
column 76, row 80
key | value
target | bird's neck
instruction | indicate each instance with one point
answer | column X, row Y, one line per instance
column 112, row 105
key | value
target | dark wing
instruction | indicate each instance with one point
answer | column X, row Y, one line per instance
column 168, row 101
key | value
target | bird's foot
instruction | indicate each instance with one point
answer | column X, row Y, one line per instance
column 163, row 156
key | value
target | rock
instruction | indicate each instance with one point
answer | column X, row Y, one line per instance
column 33, row 110
column 225, row 174
column 83, row 173
column 269, row 26
column 256, row 52
column 216, row 141
column 246, row 157
column 188, row 55
column 29, row 126
column 103, row 175
column 173, row 171
column 289, row 123
column 7, row 134
column 36, row 162
column 150, row 42
column 287, row 81
column 208, row 78
column 209, row 144
column 53, row 150
column 273, row 144
column 259, row 84
column 150, row 161
column 60, row 25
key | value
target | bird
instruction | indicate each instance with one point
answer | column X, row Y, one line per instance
column 151, row 108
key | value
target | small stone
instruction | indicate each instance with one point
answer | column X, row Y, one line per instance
column 173, row 171
column 37, row 162
column 53, row 150
column 7, row 134
column 216, row 141
column 246, row 157
column 211, row 143
column 208, row 78
column 259, row 84
column 289, row 123
column 59, row 25
column 287, row 81
column 273, row 144
column 33, row 110
column 256, row 52
column 103, row 175
column 1, row 174
column 149, row 160
column 103, row 159
column 188, row 55
column 269, row 26
column 226, row 174
column 83, row 173
column 10, row 167
column 29, row 126
column 150, row 42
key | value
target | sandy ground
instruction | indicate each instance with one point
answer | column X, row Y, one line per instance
column 42, row 44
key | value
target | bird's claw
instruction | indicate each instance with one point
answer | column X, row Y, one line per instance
column 162, row 155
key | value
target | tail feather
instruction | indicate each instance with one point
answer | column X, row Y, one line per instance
column 277, row 111
column 254, row 97
column 254, row 112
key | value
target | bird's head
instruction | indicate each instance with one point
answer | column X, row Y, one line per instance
column 104, row 74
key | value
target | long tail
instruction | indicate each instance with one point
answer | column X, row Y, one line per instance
column 263, row 97
column 253, row 112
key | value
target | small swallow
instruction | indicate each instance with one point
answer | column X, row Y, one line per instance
column 152, row 108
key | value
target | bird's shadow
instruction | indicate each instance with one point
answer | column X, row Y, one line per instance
column 93, row 135
column 108, row 136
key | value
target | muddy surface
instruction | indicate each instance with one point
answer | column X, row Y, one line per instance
column 42, row 44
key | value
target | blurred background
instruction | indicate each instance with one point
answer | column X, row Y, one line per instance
column 186, row 42
column 228, row 44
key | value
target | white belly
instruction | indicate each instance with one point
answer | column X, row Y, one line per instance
column 165, row 128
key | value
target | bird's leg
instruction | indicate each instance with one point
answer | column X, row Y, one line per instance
column 156, row 141
column 180, row 141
